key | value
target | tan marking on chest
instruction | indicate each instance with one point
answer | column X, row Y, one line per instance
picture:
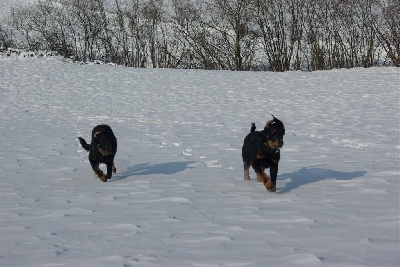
column 260, row 156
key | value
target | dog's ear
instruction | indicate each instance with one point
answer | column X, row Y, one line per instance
column 268, row 123
column 267, row 128
column 96, row 134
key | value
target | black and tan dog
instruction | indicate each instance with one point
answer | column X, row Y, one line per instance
column 102, row 149
column 261, row 150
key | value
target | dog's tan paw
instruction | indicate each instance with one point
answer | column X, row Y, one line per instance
column 270, row 186
column 103, row 178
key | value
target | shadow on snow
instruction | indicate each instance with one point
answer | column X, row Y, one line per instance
column 149, row 169
column 309, row 175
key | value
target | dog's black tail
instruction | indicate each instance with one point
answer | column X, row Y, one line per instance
column 85, row 145
column 253, row 127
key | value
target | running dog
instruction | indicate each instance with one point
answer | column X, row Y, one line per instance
column 261, row 150
column 102, row 149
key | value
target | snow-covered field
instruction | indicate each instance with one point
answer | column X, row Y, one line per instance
column 178, row 197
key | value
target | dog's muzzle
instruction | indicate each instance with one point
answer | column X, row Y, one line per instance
column 274, row 144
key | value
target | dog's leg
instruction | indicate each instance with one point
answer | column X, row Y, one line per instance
column 97, row 171
column 246, row 167
column 259, row 171
column 263, row 177
column 260, row 176
column 113, row 168
column 270, row 184
column 109, row 170
column 247, row 174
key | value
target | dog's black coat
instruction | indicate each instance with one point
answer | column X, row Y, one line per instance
column 102, row 149
column 261, row 150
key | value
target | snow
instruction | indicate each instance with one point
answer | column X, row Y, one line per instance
column 178, row 197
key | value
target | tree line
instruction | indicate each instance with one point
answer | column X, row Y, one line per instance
column 274, row 35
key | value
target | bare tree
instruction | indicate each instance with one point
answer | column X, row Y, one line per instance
column 136, row 31
column 6, row 37
column 20, row 20
column 281, row 25
column 50, row 21
column 213, row 34
column 193, row 37
column 87, row 15
column 152, row 15
column 388, row 29
column 233, row 22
